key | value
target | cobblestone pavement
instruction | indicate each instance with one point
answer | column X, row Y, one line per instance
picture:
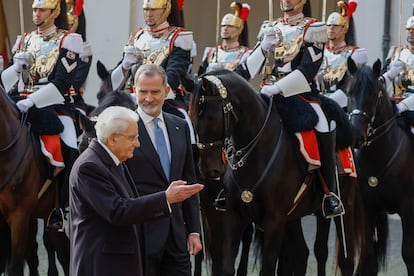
column 395, row 265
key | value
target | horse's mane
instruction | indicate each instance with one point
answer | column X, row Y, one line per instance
column 114, row 98
column 231, row 80
column 365, row 81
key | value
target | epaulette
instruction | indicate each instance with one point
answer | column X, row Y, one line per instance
column 315, row 32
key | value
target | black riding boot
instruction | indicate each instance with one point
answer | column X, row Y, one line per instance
column 55, row 221
column 331, row 203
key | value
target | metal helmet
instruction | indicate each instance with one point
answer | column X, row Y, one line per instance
column 342, row 18
column 298, row 6
column 410, row 23
column 241, row 12
column 159, row 4
column 54, row 5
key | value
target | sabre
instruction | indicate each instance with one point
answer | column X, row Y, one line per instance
column 323, row 10
column 217, row 28
column 270, row 10
column 21, row 16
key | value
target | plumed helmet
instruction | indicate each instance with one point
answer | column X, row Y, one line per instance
column 238, row 19
column 410, row 23
column 45, row 4
column 159, row 4
column 73, row 20
column 342, row 18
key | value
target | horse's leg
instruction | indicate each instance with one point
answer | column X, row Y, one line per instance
column 274, row 233
column 31, row 257
column 59, row 242
column 51, row 256
column 320, row 247
column 408, row 242
column 5, row 242
column 294, row 253
column 232, row 231
column 244, row 258
column 19, row 228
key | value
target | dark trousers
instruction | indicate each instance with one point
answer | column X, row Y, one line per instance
column 170, row 261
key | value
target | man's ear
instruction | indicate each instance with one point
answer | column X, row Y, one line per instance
column 167, row 90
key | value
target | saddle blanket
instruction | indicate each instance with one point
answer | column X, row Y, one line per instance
column 308, row 146
column 51, row 148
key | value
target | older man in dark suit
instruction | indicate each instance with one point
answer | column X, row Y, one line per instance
column 105, row 209
column 165, row 155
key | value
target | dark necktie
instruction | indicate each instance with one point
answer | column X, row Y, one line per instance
column 162, row 148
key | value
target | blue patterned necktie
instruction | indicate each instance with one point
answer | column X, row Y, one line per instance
column 162, row 148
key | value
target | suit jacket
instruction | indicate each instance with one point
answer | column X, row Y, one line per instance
column 105, row 237
column 149, row 178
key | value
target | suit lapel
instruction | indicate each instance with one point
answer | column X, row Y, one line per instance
column 173, row 136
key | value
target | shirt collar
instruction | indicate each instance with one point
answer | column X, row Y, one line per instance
column 146, row 118
column 113, row 157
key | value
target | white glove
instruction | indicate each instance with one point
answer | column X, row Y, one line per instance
column 272, row 36
column 21, row 61
column 214, row 66
column 395, row 68
column 132, row 56
column 270, row 90
column 24, row 105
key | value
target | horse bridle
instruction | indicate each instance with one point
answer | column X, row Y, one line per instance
column 227, row 145
column 373, row 133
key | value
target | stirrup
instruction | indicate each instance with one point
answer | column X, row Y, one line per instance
column 338, row 210
column 55, row 221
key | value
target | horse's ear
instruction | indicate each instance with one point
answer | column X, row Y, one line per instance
column 188, row 82
column 376, row 68
column 352, row 67
column 85, row 123
column 103, row 73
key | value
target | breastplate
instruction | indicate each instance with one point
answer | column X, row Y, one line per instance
column 229, row 59
column 408, row 58
column 292, row 40
column 334, row 67
column 154, row 46
column 45, row 53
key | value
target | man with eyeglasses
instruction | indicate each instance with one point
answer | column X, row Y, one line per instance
column 165, row 155
column 106, row 211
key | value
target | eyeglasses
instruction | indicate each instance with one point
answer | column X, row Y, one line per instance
column 130, row 138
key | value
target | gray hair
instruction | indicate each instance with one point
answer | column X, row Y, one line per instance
column 151, row 70
column 114, row 119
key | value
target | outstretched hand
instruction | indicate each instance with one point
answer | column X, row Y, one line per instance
column 179, row 191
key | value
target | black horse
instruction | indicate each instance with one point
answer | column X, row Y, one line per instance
column 385, row 162
column 266, row 170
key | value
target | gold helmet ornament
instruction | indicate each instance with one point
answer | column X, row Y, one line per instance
column 159, row 4
column 342, row 18
column 73, row 20
column 295, row 8
column 410, row 23
column 54, row 5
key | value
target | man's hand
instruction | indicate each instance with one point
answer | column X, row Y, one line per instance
column 194, row 244
column 24, row 105
column 179, row 191
column 396, row 67
column 272, row 37
column 132, row 55
column 270, row 90
column 22, row 61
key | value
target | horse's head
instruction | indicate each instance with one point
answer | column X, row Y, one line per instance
column 88, row 127
column 106, row 83
column 211, row 114
column 368, row 102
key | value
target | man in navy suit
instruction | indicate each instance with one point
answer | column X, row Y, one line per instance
column 105, row 208
column 170, row 240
